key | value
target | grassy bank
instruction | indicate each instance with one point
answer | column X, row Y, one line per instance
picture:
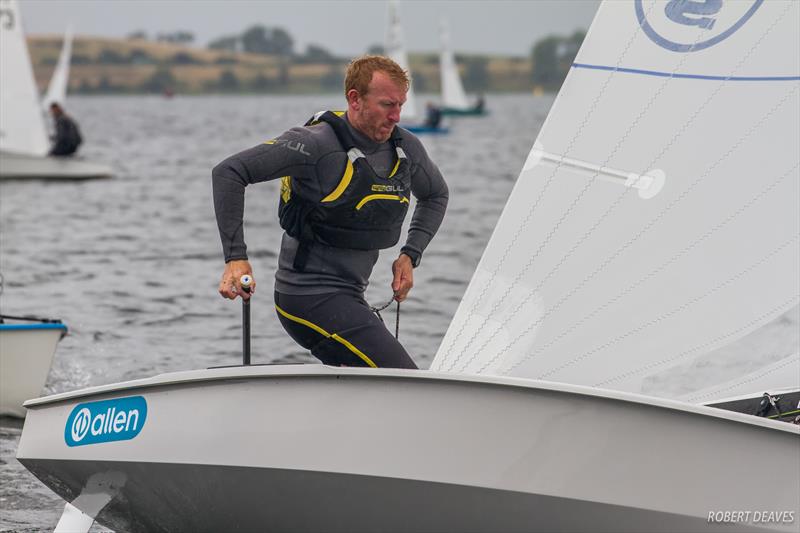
column 107, row 66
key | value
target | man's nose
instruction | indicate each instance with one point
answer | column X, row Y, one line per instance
column 394, row 114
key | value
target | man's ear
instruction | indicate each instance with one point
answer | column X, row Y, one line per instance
column 354, row 99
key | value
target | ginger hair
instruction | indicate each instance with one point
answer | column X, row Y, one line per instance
column 360, row 70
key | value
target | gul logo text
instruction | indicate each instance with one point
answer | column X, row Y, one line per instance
column 105, row 421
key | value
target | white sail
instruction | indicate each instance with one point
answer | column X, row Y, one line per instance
column 396, row 49
column 22, row 128
column 657, row 216
column 453, row 95
column 59, row 81
column 783, row 374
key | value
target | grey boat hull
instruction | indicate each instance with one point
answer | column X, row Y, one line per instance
column 220, row 498
column 20, row 167
column 308, row 447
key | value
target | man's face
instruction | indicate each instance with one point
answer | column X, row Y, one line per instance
column 376, row 113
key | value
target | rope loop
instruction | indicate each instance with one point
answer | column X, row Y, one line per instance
column 377, row 311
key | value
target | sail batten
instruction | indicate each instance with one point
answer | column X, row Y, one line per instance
column 584, row 281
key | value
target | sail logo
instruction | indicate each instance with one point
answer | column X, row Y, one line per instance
column 105, row 421
column 692, row 25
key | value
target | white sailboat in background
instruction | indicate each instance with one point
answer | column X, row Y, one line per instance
column 655, row 219
column 59, row 81
column 454, row 99
column 19, row 100
column 396, row 50
column 24, row 143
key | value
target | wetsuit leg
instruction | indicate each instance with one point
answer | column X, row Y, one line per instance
column 340, row 330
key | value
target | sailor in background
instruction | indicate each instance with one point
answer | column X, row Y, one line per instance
column 346, row 182
column 433, row 116
column 67, row 137
column 480, row 103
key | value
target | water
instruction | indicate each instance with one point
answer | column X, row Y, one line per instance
column 132, row 264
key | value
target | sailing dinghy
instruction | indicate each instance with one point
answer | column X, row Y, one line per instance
column 27, row 347
column 59, row 81
column 396, row 50
column 655, row 219
column 454, row 99
column 23, row 133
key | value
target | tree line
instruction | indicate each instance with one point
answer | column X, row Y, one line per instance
column 546, row 66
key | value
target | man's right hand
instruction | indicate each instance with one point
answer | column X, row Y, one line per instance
column 230, row 287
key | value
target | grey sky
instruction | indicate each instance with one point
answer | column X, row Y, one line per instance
column 345, row 27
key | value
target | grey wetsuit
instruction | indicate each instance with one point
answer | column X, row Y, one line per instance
column 314, row 158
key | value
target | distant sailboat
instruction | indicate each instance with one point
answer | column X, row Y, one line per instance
column 23, row 134
column 454, row 99
column 59, row 81
column 396, row 49
column 27, row 347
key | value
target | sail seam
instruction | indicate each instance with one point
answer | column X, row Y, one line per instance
column 759, row 375
column 668, row 314
column 646, row 228
column 554, row 229
column 529, row 215
column 619, row 198
column 652, row 273
column 794, row 299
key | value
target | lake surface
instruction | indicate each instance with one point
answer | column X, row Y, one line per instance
column 132, row 264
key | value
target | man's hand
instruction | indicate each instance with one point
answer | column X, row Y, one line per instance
column 403, row 280
column 230, row 286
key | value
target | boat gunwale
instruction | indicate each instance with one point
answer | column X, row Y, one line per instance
column 28, row 327
column 268, row 371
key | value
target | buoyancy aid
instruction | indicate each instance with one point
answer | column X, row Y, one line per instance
column 363, row 212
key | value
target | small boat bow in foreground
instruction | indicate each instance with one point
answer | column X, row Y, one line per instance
column 311, row 447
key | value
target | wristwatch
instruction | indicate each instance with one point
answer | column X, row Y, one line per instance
column 413, row 255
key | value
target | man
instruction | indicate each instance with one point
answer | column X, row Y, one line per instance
column 346, row 183
column 433, row 116
column 67, row 136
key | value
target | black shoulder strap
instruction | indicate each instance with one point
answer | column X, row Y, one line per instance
column 339, row 127
column 396, row 137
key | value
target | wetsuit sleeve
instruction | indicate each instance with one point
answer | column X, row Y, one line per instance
column 287, row 155
column 430, row 190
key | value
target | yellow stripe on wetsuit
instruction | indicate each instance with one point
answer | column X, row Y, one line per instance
column 325, row 334
column 380, row 197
